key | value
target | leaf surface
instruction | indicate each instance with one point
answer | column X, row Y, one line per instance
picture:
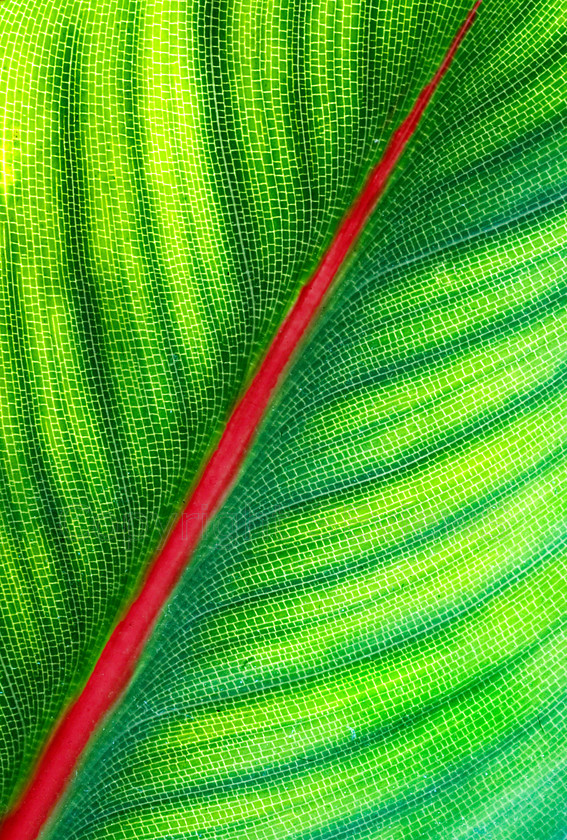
column 170, row 175
column 370, row 641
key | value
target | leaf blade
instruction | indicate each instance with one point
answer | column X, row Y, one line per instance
column 115, row 387
column 117, row 660
column 403, row 611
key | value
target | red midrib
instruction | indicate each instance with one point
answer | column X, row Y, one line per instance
column 120, row 655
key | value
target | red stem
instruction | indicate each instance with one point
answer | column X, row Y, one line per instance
column 118, row 659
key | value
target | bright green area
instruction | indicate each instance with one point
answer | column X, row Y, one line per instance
column 169, row 175
column 372, row 639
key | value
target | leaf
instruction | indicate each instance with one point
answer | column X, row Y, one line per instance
column 369, row 641
column 158, row 220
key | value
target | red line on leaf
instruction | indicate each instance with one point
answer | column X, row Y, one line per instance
column 118, row 659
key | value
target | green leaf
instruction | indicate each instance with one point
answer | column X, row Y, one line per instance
column 170, row 176
column 370, row 641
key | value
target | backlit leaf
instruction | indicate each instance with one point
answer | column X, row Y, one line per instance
column 370, row 640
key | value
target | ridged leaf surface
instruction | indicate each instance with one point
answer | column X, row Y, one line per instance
column 169, row 175
column 371, row 639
